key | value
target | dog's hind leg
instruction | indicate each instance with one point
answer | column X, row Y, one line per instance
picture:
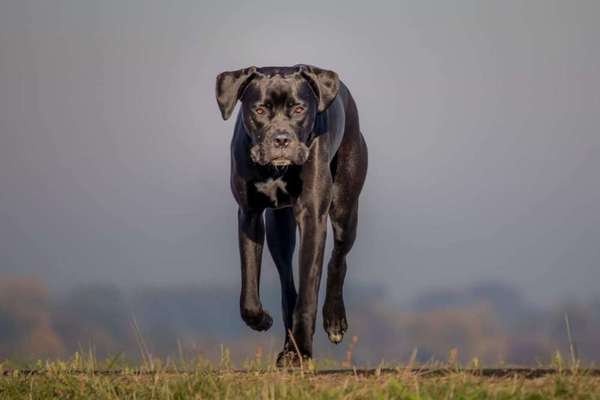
column 344, row 221
column 281, row 240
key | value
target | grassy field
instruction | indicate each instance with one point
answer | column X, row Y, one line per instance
column 81, row 379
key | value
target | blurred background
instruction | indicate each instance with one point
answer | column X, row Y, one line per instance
column 479, row 223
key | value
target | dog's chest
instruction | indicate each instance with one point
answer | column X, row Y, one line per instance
column 274, row 192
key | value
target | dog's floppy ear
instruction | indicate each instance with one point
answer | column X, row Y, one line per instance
column 325, row 84
column 230, row 86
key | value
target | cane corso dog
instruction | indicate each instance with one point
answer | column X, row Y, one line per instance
column 297, row 156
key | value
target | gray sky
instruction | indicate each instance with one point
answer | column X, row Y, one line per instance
column 482, row 120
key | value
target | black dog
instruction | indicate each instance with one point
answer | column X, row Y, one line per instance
column 298, row 153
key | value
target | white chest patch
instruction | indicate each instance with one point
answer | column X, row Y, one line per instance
column 270, row 186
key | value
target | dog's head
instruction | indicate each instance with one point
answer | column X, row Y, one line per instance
column 279, row 106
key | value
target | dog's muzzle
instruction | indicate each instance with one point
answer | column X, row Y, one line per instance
column 280, row 150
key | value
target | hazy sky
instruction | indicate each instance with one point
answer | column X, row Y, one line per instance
column 482, row 121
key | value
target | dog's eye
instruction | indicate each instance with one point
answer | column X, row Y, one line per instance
column 299, row 109
column 259, row 110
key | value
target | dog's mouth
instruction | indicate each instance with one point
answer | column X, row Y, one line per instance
column 264, row 155
column 280, row 162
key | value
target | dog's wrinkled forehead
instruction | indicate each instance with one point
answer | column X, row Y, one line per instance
column 278, row 85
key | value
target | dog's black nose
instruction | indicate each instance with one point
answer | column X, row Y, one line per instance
column 281, row 140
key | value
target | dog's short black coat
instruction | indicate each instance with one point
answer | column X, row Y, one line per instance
column 297, row 157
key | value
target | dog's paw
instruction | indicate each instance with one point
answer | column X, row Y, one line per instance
column 290, row 359
column 258, row 320
column 334, row 320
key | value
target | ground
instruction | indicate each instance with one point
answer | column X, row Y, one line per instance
column 81, row 379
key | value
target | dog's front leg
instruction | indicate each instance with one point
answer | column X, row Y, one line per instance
column 311, row 216
column 313, row 228
column 251, row 231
